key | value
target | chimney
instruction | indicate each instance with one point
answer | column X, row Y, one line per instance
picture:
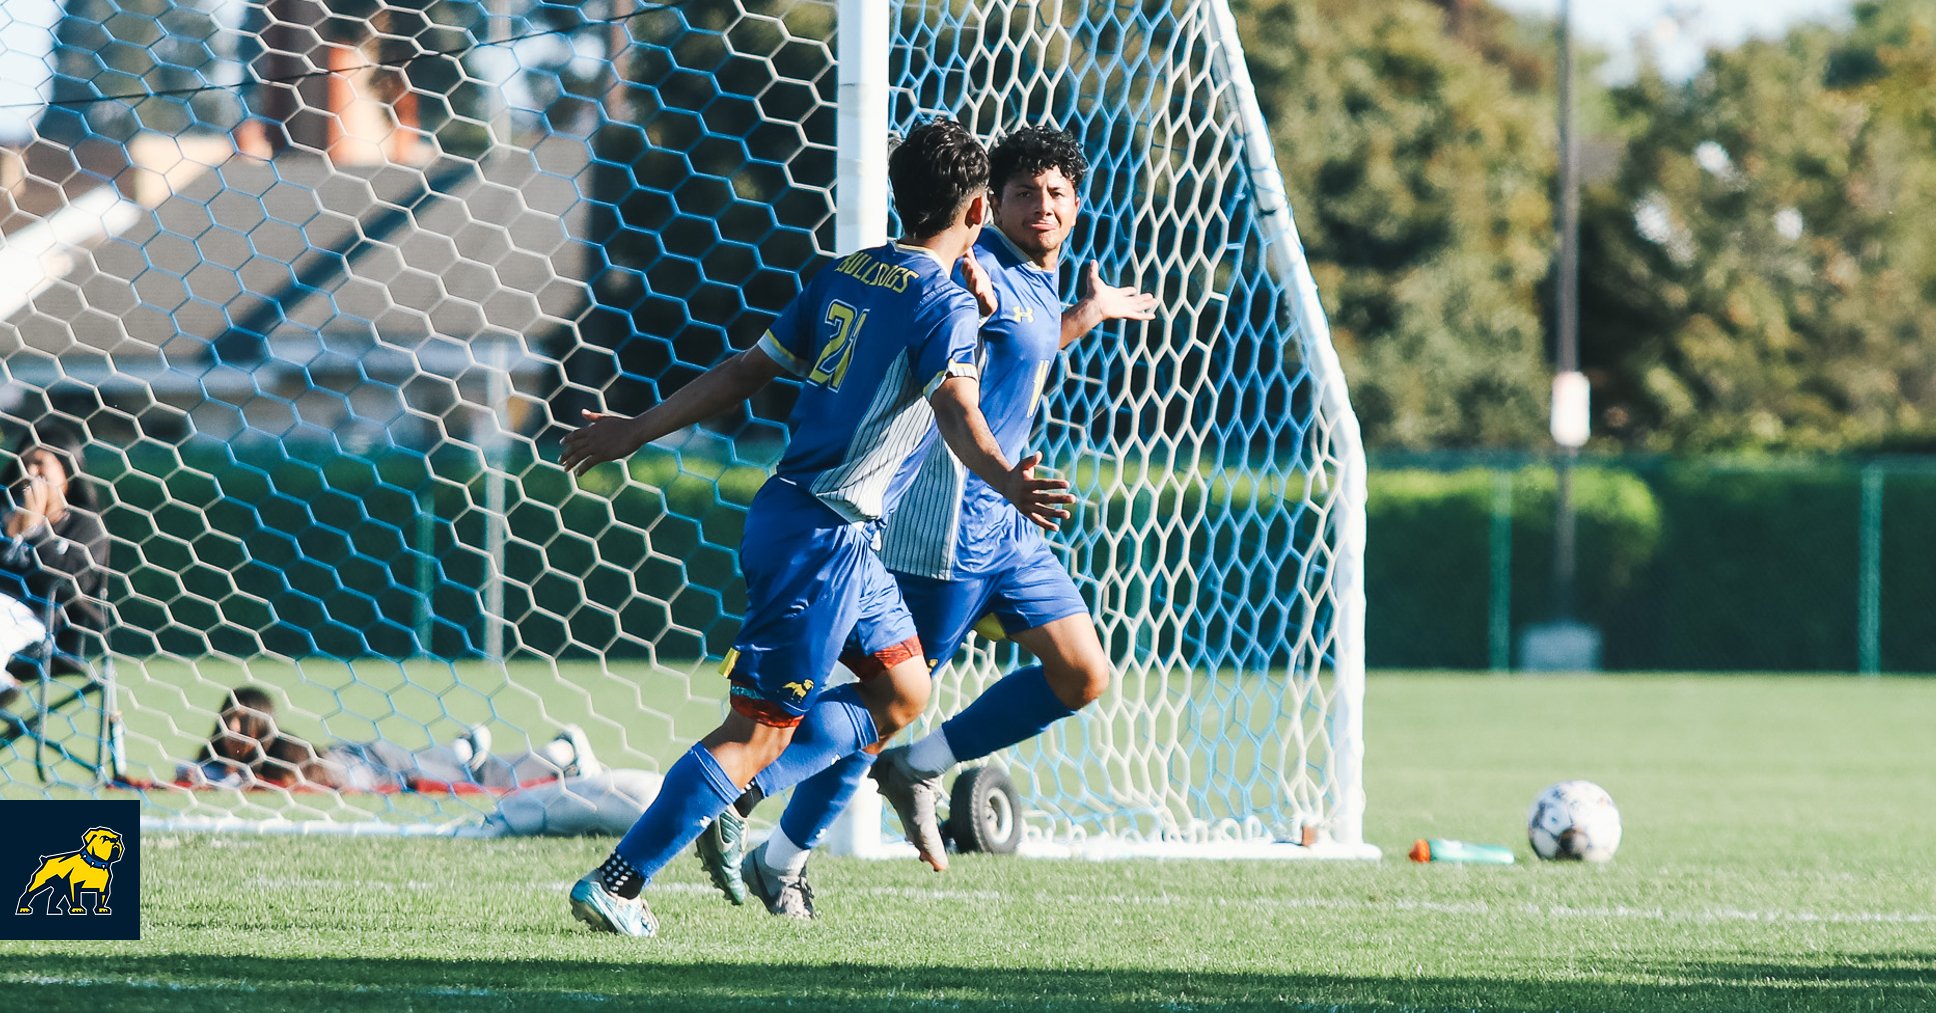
column 359, row 113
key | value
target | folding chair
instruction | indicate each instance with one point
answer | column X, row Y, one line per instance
column 72, row 714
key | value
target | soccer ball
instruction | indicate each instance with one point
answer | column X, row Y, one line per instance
column 1574, row 820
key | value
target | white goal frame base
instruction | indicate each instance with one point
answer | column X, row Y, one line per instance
column 302, row 828
column 1111, row 849
column 857, row 834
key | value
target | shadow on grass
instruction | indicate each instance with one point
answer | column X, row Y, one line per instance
column 192, row 982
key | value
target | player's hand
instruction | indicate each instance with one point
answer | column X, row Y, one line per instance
column 1039, row 499
column 1112, row 303
column 606, row 437
column 980, row 285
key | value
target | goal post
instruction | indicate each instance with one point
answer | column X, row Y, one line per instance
column 1215, row 450
column 322, row 342
column 1313, row 333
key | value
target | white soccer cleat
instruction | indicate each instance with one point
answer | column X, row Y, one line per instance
column 786, row 896
column 473, row 748
column 572, row 751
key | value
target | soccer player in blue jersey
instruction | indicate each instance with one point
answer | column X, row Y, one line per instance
column 884, row 342
column 960, row 553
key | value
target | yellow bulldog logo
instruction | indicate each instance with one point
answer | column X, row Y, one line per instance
column 798, row 689
column 88, row 870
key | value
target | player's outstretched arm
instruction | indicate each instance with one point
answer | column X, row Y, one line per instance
column 957, row 413
column 1102, row 304
column 609, row 437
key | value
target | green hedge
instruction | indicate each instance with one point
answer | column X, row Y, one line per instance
column 1759, row 569
column 350, row 555
column 347, row 555
column 1429, row 558
column 1683, row 565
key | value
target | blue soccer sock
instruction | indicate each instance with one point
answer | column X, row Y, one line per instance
column 820, row 799
column 837, row 725
column 1016, row 709
column 694, row 791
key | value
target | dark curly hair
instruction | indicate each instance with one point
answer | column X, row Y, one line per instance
column 1033, row 150
column 935, row 170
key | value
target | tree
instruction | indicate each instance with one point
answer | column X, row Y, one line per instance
column 1757, row 276
column 1416, row 140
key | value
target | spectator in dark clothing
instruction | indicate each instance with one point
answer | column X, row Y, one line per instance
column 53, row 548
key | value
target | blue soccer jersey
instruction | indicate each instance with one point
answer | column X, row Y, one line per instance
column 953, row 524
column 871, row 338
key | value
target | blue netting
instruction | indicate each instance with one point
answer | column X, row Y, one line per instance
column 320, row 285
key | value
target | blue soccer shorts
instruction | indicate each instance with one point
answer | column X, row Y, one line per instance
column 811, row 577
column 1035, row 591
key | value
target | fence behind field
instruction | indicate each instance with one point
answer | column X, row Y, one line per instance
column 1697, row 564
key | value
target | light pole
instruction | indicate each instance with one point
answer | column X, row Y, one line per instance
column 1563, row 643
column 1570, row 417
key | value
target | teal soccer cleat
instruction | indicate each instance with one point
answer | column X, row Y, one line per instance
column 606, row 911
column 721, row 848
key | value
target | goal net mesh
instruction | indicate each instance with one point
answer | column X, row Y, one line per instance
column 317, row 287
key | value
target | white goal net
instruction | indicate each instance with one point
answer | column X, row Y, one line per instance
column 315, row 287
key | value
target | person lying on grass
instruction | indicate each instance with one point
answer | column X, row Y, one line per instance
column 249, row 749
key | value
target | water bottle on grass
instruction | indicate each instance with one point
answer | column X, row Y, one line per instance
column 1438, row 850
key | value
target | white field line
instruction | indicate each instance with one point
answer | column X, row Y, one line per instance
column 1558, row 911
column 1476, row 907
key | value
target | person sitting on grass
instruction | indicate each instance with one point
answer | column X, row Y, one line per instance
column 249, row 749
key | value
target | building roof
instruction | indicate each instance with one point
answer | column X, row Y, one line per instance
column 294, row 267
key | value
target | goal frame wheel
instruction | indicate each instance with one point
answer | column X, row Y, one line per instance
column 985, row 812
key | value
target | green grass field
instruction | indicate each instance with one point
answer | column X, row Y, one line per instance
column 1776, row 858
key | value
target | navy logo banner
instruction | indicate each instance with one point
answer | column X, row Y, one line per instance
column 76, row 867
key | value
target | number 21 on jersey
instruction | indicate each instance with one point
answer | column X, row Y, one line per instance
column 831, row 366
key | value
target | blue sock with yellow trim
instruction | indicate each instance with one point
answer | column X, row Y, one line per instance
column 837, row 725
